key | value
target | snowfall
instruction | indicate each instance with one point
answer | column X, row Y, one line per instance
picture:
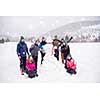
column 86, row 55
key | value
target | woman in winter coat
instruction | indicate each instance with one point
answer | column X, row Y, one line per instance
column 34, row 52
column 22, row 50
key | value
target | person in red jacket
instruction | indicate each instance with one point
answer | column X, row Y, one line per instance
column 70, row 65
column 30, row 67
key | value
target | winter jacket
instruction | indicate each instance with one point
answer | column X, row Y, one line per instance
column 34, row 50
column 65, row 50
column 30, row 66
column 42, row 44
column 22, row 49
column 56, row 42
column 63, row 47
column 71, row 64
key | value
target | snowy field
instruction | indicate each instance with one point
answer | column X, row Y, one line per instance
column 86, row 55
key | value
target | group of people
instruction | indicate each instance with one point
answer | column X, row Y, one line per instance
column 67, row 60
column 29, row 64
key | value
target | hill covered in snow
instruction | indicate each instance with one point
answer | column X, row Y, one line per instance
column 81, row 31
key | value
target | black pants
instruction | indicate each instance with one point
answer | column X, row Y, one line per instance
column 56, row 53
column 71, row 71
column 23, row 63
column 36, row 60
column 42, row 56
column 31, row 74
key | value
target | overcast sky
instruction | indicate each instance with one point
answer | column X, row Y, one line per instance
column 27, row 25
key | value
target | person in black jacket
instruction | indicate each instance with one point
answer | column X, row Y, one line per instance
column 65, row 50
column 22, row 50
column 62, row 49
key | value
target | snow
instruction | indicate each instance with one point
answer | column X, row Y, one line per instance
column 86, row 55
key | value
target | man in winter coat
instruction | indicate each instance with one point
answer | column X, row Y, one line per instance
column 56, row 43
column 22, row 50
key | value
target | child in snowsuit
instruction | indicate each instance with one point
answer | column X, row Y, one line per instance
column 70, row 65
column 34, row 52
column 30, row 67
column 22, row 49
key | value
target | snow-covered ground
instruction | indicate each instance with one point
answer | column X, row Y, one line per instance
column 86, row 55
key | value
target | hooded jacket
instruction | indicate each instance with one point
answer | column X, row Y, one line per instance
column 22, row 49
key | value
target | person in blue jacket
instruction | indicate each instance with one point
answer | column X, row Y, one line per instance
column 42, row 51
column 22, row 50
